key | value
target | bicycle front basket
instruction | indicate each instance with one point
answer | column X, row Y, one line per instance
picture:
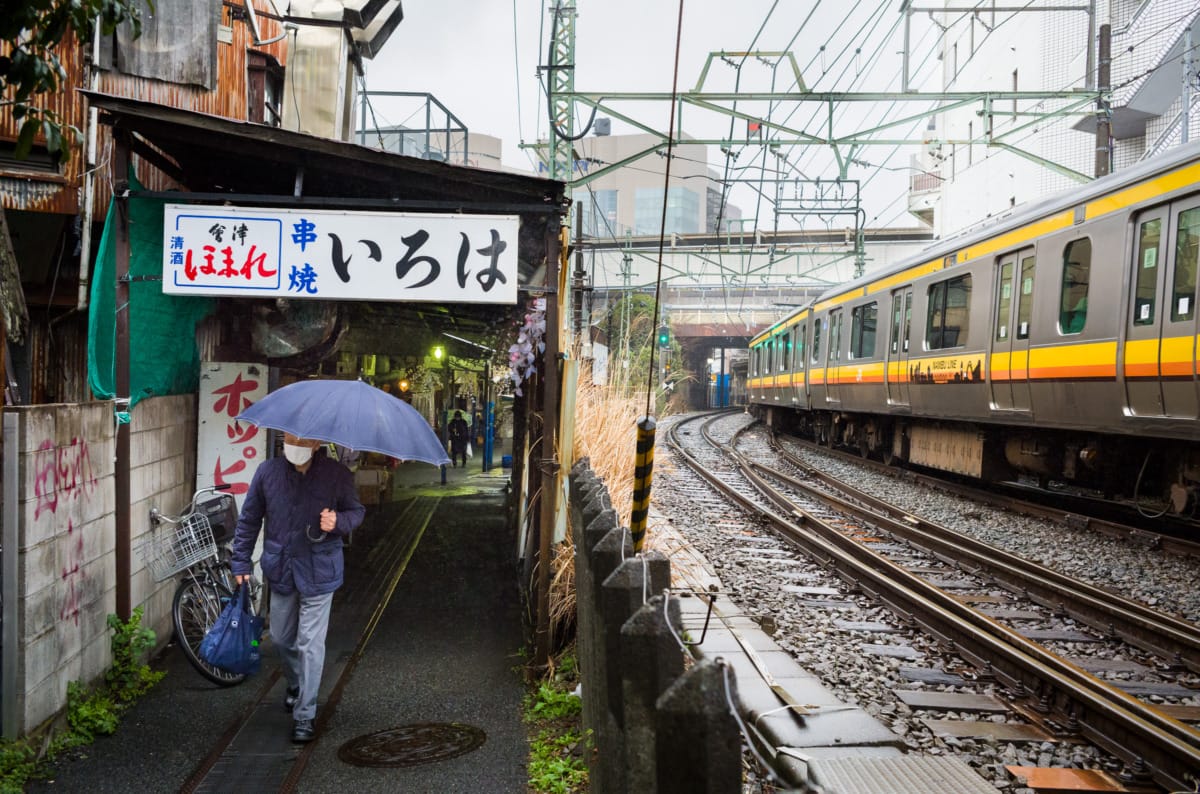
column 172, row 549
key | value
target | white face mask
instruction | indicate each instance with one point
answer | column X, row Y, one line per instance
column 297, row 455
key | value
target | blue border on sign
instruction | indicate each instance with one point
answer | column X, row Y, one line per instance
column 278, row 265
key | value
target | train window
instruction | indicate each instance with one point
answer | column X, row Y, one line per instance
column 816, row 348
column 1004, row 301
column 835, row 336
column 785, row 353
column 897, row 313
column 800, row 346
column 1187, row 263
column 907, row 318
column 770, row 356
column 949, row 310
column 1146, row 272
column 1025, row 297
column 862, row 331
column 1076, row 275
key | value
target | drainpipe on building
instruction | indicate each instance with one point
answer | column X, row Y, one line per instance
column 89, row 174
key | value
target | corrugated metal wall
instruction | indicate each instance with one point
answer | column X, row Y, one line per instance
column 45, row 192
column 57, row 336
column 229, row 99
column 58, row 361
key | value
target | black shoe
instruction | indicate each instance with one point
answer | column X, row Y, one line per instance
column 303, row 731
column 289, row 700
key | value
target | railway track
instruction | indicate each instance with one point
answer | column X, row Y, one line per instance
column 1169, row 542
column 1045, row 688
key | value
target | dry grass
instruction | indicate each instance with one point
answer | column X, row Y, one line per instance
column 605, row 433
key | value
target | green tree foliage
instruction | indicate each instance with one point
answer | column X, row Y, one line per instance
column 30, row 33
column 632, row 333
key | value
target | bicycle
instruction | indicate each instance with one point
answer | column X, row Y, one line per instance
column 187, row 544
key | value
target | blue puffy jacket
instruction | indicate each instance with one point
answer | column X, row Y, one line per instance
column 292, row 503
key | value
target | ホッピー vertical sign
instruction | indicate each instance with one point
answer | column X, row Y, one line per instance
column 322, row 254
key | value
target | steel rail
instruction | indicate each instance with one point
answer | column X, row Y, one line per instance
column 1131, row 730
column 1173, row 639
column 1153, row 540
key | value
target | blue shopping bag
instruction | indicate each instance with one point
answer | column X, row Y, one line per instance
column 232, row 643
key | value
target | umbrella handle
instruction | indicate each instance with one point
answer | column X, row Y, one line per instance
column 311, row 539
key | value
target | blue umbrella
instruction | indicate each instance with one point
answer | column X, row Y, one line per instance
column 350, row 413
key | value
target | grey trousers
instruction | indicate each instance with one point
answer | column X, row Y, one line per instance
column 298, row 626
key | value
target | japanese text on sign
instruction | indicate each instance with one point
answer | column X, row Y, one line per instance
column 229, row 451
column 339, row 255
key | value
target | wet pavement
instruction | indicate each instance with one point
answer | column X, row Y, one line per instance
column 427, row 629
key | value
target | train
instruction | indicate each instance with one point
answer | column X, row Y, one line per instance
column 1056, row 345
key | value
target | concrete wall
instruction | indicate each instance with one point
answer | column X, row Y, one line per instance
column 65, row 545
column 66, row 537
column 162, row 446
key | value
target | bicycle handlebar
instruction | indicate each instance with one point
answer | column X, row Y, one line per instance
column 157, row 516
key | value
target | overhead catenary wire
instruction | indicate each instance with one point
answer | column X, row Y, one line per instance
column 517, row 83
column 666, row 194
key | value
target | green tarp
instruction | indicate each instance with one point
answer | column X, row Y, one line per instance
column 163, row 358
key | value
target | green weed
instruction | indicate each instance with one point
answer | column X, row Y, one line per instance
column 556, row 757
column 549, row 703
column 129, row 678
column 90, row 712
column 553, row 766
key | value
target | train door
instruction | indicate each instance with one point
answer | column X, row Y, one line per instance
column 1009, row 370
column 1159, row 354
column 800, row 389
column 896, row 370
column 833, row 391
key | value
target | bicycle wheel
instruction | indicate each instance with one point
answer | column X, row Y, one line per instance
column 196, row 608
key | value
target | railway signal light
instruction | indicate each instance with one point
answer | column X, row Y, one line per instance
column 664, row 337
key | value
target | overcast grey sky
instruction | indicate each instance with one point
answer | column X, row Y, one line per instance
column 480, row 58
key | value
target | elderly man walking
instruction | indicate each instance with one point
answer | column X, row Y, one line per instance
column 309, row 504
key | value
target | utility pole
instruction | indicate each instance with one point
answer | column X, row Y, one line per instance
column 1103, row 112
column 1187, row 84
column 580, row 277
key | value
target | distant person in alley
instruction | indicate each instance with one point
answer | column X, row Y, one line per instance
column 460, row 436
column 310, row 505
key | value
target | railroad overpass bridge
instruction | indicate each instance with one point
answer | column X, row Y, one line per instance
column 718, row 292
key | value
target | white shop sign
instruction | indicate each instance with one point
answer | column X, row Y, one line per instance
column 323, row 254
column 228, row 451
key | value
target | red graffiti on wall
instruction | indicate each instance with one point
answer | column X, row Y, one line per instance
column 61, row 473
column 73, row 576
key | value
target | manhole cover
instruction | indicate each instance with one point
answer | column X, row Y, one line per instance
column 410, row 745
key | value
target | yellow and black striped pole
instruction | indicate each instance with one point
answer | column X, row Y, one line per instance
column 643, row 472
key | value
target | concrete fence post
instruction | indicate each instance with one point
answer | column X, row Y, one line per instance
column 698, row 749
column 594, row 523
column 583, row 484
column 651, row 660
column 622, row 594
column 605, row 557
